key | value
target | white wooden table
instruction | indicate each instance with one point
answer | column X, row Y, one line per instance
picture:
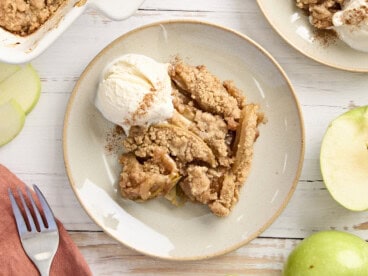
column 36, row 154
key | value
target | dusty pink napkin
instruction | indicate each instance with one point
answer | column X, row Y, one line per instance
column 13, row 260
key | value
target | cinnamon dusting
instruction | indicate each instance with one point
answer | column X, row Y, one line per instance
column 114, row 140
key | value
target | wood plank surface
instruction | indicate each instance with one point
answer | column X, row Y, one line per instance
column 260, row 257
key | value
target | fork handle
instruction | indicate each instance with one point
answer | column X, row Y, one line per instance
column 44, row 273
column 44, row 268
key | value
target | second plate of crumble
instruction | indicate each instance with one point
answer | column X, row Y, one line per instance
column 202, row 156
column 318, row 29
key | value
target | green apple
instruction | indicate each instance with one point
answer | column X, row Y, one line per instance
column 344, row 159
column 6, row 70
column 328, row 253
column 12, row 119
column 24, row 86
column 20, row 89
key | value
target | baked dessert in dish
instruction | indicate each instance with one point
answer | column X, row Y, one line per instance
column 202, row 152
column 23, row 17
column 348, row 18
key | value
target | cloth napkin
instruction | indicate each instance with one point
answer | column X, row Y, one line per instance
column 13, row 260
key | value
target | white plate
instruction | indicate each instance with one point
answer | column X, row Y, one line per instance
column 16, row 49
column 292, row 25
column 157, row 228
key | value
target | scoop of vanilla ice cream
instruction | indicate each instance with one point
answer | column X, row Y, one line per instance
column 135, row 90
column 351, row 24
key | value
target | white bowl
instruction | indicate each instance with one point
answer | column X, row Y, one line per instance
column 16, row 49
column 156, row 227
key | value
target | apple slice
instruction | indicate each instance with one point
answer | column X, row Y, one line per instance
column 12, row 119
column 344, row 159
column 24, row 86
column 6, row 70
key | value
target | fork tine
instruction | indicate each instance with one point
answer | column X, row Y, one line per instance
column 36, row 211
column 28, row 213
column 46, row 209
column 21, row 224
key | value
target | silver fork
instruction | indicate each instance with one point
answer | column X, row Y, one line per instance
column 39, row 244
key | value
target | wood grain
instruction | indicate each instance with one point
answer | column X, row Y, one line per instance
column 260, row 257
column 36, row 154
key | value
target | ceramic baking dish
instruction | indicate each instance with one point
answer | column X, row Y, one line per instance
column 16, row 49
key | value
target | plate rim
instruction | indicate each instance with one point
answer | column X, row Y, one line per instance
column 312, row 57
column 280, row 209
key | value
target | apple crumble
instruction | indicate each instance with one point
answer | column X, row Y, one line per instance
column 343, row 19
column 203, row 153
column 320, row 11
column 23, row 17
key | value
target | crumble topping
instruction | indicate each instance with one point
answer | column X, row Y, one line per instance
column 23, row 17
column 320, row 11
column 207, row 90
column 203, row 153
column 177, row 142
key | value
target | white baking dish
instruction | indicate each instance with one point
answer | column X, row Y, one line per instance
column 16, row 49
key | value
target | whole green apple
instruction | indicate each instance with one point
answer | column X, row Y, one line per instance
column 329, row 253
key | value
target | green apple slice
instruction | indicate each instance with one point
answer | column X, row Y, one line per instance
column 6, row 70
column 12, row 119
column 344, row 159
column 24, row 86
